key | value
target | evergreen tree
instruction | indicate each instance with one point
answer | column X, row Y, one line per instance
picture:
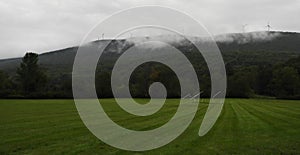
column 30, row 76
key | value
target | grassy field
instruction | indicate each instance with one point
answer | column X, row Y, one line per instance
column 246, row 126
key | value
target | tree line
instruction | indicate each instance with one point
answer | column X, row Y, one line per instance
column 280, row 80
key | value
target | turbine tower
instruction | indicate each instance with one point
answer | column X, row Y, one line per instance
column 131, row 35
column 269, row 26
column 183, row 30
column 244, row 28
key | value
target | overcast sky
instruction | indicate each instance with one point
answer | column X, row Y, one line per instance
column 45, row 25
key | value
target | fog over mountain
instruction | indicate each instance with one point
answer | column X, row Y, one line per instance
column 270, row 46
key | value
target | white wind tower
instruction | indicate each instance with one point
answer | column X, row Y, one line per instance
column 269, row 26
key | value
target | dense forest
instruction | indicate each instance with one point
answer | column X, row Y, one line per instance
column 255, row 68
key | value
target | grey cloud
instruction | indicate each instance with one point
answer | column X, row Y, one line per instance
column 44, row 25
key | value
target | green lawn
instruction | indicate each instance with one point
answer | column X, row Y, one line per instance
column 246, row 126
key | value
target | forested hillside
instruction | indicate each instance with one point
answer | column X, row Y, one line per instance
column 257, row 64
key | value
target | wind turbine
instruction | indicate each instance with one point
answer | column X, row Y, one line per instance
column 102, row 35
column 244, row 27
column 131, row 35
column 269, row 26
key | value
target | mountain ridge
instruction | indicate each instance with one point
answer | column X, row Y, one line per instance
column 255, row 42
